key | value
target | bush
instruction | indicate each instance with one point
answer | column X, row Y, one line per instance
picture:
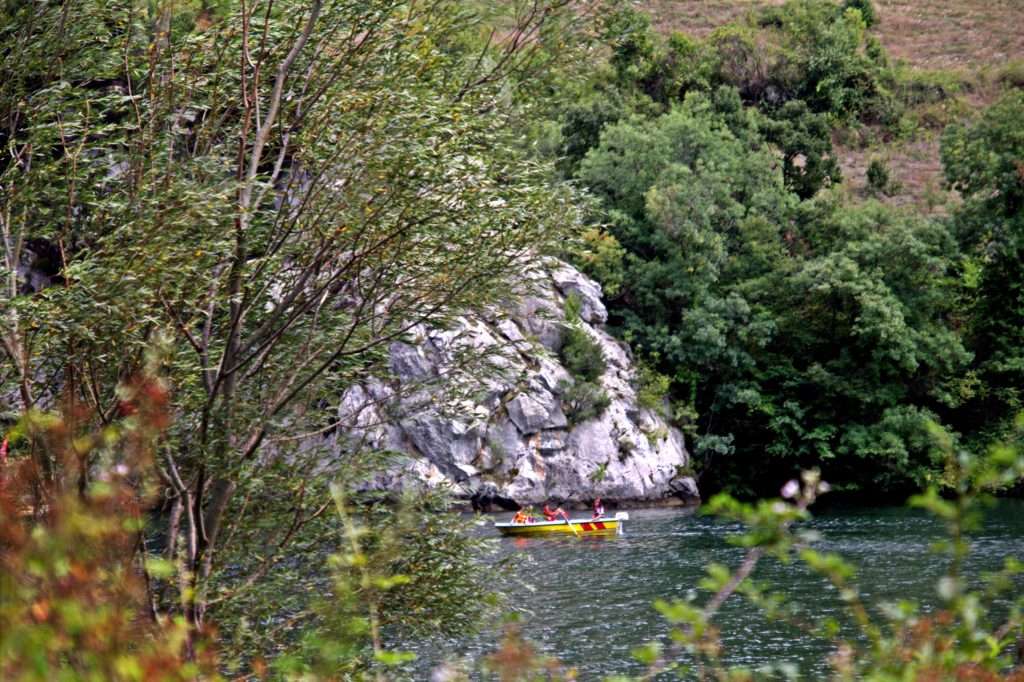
column 632, row 41
column 804, row 138
column 1012, row 75
column 76, row 582
column 581, row 129
column 928, row 87
column 866, row 9
column 879, row 179
column 742, row 62
column 581, row 355
column 653, row 389
column 601, row 256
column 583, row 400
column 829, row 61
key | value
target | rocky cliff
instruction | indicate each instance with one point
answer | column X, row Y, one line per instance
column 485, row 406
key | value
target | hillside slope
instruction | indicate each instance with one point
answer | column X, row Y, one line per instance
column 972, row 48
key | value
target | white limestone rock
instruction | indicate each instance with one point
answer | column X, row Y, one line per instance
column 537, row 410
column 479, row 407
column 569, row 280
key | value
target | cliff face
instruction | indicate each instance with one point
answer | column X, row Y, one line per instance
column 506, row 430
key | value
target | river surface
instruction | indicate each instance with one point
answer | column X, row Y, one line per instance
column 588, row 600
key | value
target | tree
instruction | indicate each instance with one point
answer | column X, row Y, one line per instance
column 280, row 192
column 984, row 162
column 806, row 143
column 800, row 334
column 687, row 193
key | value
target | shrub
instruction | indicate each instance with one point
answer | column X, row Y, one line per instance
column 76, row 582
column 879, row 179
column 928, row 87
column 866, row 9
column 583, row 400
column 1012, row 75
column 742, row 61
column 629, row 34
column 581, row 129
column 829, row 61
column 805, row 140
column 653, row 388
column 601, row 256
column 581, row 354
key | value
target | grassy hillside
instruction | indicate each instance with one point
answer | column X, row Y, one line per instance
column 970, row 48
column 933, row 34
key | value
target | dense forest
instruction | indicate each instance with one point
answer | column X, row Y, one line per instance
column 795, row 325
column 217, row 215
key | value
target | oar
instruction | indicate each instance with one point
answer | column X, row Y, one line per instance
column 571, row 527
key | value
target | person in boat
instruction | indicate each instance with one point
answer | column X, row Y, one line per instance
column 524, row 515
column 554, row 514
column 598, row 508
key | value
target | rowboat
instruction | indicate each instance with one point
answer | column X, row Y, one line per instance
column 599, row 526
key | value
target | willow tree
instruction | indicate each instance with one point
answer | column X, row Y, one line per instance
column 275, row 195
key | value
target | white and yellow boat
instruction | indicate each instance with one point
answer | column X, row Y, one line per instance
column 599, row 526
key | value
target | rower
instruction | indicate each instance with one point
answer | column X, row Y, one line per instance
column 553, row 514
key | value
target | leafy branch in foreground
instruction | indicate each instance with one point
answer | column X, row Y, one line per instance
column 974, row 634
column 74, row 595
column 403, row 568
column 78, row 586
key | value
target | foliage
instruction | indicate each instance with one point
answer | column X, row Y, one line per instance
column 448, row 588
column 984, row 164
column 971, row 636
column 829, row 61
column 1012, row 74
column 75, row 587
column 683, row 187
column 281, row 190
column 800, row 327
column 628, row 33
column 880, row 182
column 581, row 128
column 582, row 355
column 601, row 256
column 734, row 290
column 805, row 50
column 583, row 400
column 80, row 581
column 728, row 284
column 866, row 8
column 805, row 141
column 410, row 568
column 653, row 388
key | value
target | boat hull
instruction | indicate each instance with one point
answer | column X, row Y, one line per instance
column 574, row 527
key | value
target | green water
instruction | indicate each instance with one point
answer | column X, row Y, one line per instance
column 588, row 600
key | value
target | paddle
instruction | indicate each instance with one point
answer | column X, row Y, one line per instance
column 571, row 527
